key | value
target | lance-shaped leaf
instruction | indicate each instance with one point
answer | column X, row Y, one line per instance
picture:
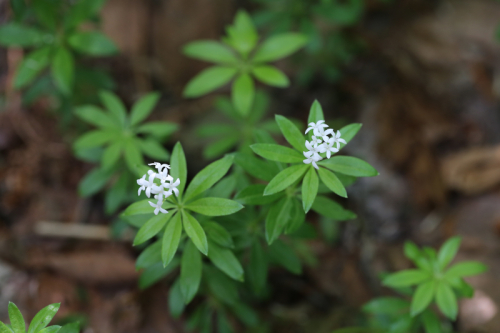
column 95, row 116
column 465, row 268
column 214, row 206
column 332, row 182
column 285, row 178
column 93, row 181
column 225, row 260
column 422, row 297
column 178, row 168
column 348, row 132
column 283, row 255
column 446, row 300
column 195, row 232
column 152, row 227
column 209, row 80
column 92, row 43
column 256, row 167
column 155, row 273
column 190, row 272
column 150, row 256
column 315, row 113
column 406, row 278
column 151, row 148
column 16, row 319
column 291, row 133
column 257, row 268
column 242, row 94
column 279, row 46
column 143, row 107
column 158, row 129
column 209, row 50
column 171, row 239
column 207, row 177
column 43, row 317
column 218, row 234
column 114, row 105
column 63, row 67
column 309, row 189
column 254, row 195
column 348, row 165
column 277, row 218
column 133, row 156
column 277, row 153
column 271, row 75
column 15, row 34
column 329, row 208
column 448, row 251
column 31, row 66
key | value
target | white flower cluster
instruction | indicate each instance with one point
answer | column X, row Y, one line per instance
column 321, row 143
column 162, row 189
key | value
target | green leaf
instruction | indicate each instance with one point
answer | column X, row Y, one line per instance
column 291, row 133
column 159, row 129
column 190, row 272
column 151, row 255
column 242, row 34
column 95, row 116
column 214, row 206
column 152, row 227
column 175, row 300
column 348, row 165
column 218, row 234
column 256, row 167
column 309, row 189
column 257, row 268
column 298, row 217
column 114, row 106
column 279, row 46
column 153, row 149
column 4, row 328
column 94, row 139
column 111, row 155
column 195, row 232
column 431, row 322
column 277, row 153
column 221, row 286
column 331, row 209
column 63, row 67
column 117, row 194
column 387, row 305
column 242, row 94
column 43, row 317
column 254, row 195
column 406, row 278
column 81, row 11
column 142, row 207
column 285, row 178
column 15, row 34
column 171, row 239
column 53, row 329
column 143, row 107
column 315, row 113
column 207, row 177
column 224, row 188
column 178, row 168
column 31, row 66
column 284, row 256
column 216, row 130
column 277, row 218
column 209, row 50
column 220, row 147
column 225, row 260
column 422, row 297
column 332, row 182
column 93, row 181
column 465, row 268
column 16, row 319
column 448, row 251
column 348, row 132
column 133, row 156
column 411, row 251
column 446, row 300
column 155, row 273
column 209, row 80
column 19, row 8
column 46, row 12
column 92, row 43
column 270, row 75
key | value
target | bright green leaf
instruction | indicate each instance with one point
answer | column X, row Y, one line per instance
column 31, row 66
column 309, row 189
column 348, row 132
column 195, row 232
column 111, row 155
column 190, row 272
column 94, row 139
column 387, row 305
column 348, row 165
column 143, row 107
column 277, row 218
column 151, row 255
column 332, row 182
column 315, row 113
column 448, row 251
column 178, row 168
column 159, row 129
column 270, row 75
column 133, row 156
column 291, row 133
column 152, row 227
column 43, row 317
column 153, row 149
column 406, row 278
column 446, row 300
column 277, row 153
column 242, row 94
column 431, row 322
column 171, row 239
column 214, row 206
column 422, row 297
column 114, row 105
column 209, row 50
column 95, row 116
column 285, row 178
column 15, row 34
column 466, row 268
column 279, row 46
column 16, row 319
column 225, row 260
column 209, row 80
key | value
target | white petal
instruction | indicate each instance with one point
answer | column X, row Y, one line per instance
column 315, row 165
column 308, row 154
column 328, row 154
column 176, row 191
column 152, row 204
column 148, row 192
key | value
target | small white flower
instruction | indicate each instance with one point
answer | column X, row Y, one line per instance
column 160, row 166
column 312, row 159
column 313, row 150
column 336, row 139
column 157, row 207
column 172, row 186
column 147, row 185
column 315, row 141
column 328, row 147
column 318, row 128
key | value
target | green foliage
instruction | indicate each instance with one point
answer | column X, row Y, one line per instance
column 238, row 56
column 39, row 322
column 120, row 144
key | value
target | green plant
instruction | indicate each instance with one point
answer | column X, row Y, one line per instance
column 239, row 57
column 119, row 137
column 49, row 30
column 434, row 281
column 39, row 322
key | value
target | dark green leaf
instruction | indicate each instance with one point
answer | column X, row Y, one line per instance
column 63, row 67
column 331, row 209
column 285, row 178
column 431, row 322
column 155, row 273
column 142, row 207
column 242, row 94
column 81, row 11
column 348, row 165
column 291, row 133
column 117, row 194
column 406, row 278
column 93, row 181
column 150, row 256
column 50, row 329
column 214, row 206
column 220, row 147
column 92, row 43
column 283, row 255
column 31, row 66
column 207, row 177
column 143, row 107
column 221, row 286
column 422, row 297
column 279, row 46
column 387, row 305
column 254, row 195
column 271, row 75
column 298, row 217
column 15, row 34
column 43, row 317
column 69, row 328
column 190, row 272
column 111, row 155
column 256, row 167
column 216, row 130
column 277, row 153
column 309, row 189
column 195, row 232
column 448, row 251
column 332, row 182
column 171, row 239
column 175, row 300
column 209, row 50
column 446, row 300
column 16, row 319
column 218, row 234
column 178, row 167
column 257, row 268
column 152, row 227
column 277, row 218
column 209, row 80
column 46, row 12
column 225, row 260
